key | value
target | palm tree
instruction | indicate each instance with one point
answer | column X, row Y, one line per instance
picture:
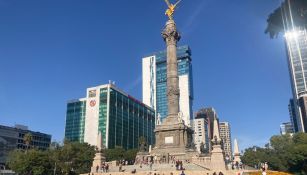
column 27, row 138
column 291, row 14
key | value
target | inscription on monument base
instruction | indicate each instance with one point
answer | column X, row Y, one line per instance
column 169, row 140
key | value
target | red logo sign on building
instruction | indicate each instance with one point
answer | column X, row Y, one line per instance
column 92, row 103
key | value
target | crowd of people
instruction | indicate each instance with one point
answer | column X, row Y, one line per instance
column 149, row 161
column 179, row 165
column 237, row 166
column 182, row 173
column 103, row 169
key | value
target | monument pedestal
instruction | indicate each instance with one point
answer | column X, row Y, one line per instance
column 237, row 158
column 99, row 159
column 217, row 159
column 174, row 139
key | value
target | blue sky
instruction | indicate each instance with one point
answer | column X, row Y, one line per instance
column 52, row 50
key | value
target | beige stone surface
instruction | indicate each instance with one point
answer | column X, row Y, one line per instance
column 167, row 173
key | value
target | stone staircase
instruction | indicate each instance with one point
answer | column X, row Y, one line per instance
column 166, row 169
column 159, row 167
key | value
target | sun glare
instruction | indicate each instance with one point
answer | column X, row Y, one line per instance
column 291, row 34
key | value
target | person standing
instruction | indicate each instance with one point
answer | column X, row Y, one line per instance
column 266, row 166
column 107, row 168
column 97, row 168
column 263, row 171
column 150, row 164
column 120, row 167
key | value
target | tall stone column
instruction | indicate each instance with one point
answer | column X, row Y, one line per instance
column 173, row 137
column 171, row 36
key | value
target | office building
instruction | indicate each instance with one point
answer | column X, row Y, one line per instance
column 75, row 120
column 154, row 82
column 201, row 137
column 209, row 114
column 286, row 128
column 13, row 138
column 302, row 103
column 293, row 115
column 120, row 118
column 205, row 117
column 296, row 43
column 225, row 135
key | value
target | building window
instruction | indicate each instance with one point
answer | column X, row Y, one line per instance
column 92, row 93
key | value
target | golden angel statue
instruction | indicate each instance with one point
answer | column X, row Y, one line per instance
column 171, row 8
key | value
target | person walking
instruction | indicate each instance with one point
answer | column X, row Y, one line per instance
column 150, row 165
column 97, row 168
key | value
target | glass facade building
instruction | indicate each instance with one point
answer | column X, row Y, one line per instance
column 296, row 43
column 120, row 118
column 75, row 120
column 292, row 113
column 154, row 82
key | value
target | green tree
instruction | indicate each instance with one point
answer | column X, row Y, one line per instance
column 282, row 17
column 130, row 154
column 74, row 158
column 281, row 146
column 35, row 162
column 284, row 153
column 115, row 154
column 298, row 159
column 254, row 156
column 27, row 138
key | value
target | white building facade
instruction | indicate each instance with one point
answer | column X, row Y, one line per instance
column 201, row 134
column 225, row 134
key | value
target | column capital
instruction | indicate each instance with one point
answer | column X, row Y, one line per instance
column 170, row 34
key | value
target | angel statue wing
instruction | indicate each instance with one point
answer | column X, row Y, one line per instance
column 171, row 8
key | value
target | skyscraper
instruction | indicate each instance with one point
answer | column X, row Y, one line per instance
column 154, row 82
column 293, row 115
column 225, row 135
column 201, row 136
column 296, row 43
column 120, row 118
column 203, row 127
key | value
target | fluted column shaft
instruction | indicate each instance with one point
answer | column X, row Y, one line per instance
column 171, row 37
